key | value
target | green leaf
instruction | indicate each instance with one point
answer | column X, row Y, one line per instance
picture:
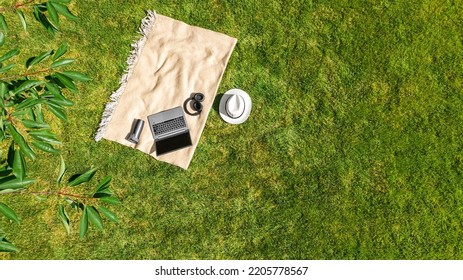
column 8, row 212
column 10, row 156
column 83, row 223
column 6, row 68
column 103, row 193
column 64, row 218
column 54, row 19
column 34, row 124
column 14, row 184
column 19, row 139
column 110, row 199
column 3, row 89
column 62, row 62
column 40, row 17
column 57, row 111
column 61, row 1
column 22, row 18
column 53, row 88
column 46, row 147
column 5, row 191
column 59, row 100
column 60, row 51
column 7, row 247
column 62, row 170
column 3, row 24
column 2, row 235
column 9, row 54
column 77, row 76
column 5, row 171
column 67, row 82
column 26, row 85
column 40, row 197
column 39, row 58
column 38, row 113
column 94, row 217
column 19, row 166
column 83, row 178
column 104, row 184
column 29, row 102
column 2, row 39
column 44, row 135
column 108, row 214
column 62, row 9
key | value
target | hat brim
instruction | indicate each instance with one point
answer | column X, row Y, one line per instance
column 247, row 106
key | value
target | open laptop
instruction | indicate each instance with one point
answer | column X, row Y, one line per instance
column 170, row 131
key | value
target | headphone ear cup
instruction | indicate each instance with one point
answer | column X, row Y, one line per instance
column 197, row 106
column 199, row 97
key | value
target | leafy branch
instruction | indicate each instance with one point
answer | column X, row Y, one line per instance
column 46, row 13
column 21, row 100
column 91, row 206
column 23, row 96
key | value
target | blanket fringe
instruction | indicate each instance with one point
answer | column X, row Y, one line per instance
column 146, row 24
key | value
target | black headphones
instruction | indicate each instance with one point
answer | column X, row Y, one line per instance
column 197, row 105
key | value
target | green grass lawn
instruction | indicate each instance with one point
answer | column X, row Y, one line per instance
column 353, row 149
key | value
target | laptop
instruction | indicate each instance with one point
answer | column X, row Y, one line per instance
column 170, row 131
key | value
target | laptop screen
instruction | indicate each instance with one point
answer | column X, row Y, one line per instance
column 173, row 143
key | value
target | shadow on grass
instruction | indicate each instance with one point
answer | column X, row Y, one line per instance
column 216, row 104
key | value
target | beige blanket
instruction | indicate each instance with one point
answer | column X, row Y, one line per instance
column 171, row 61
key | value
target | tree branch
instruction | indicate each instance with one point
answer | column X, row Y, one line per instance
column 26, row 74
column 19, row 5
column 16, row 6
column 60, row 194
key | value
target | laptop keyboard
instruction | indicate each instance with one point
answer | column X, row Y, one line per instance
column 169, row 125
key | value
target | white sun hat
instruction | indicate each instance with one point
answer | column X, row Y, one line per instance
column 235, row 106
